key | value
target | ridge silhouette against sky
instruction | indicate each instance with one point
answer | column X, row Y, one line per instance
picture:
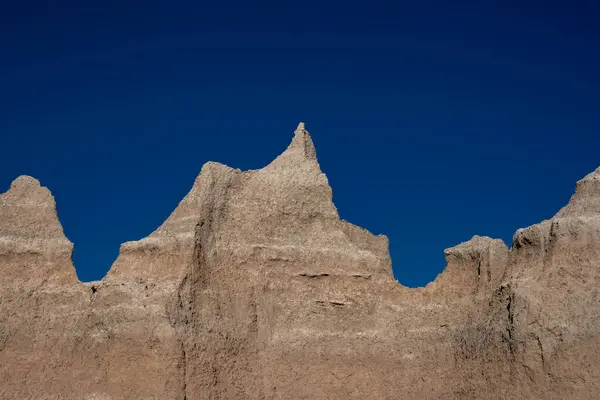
column 432, row 122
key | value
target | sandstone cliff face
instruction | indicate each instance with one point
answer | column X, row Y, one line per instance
column 61, row 339
column 255, row 289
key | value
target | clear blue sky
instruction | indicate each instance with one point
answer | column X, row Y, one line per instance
column 433, row 122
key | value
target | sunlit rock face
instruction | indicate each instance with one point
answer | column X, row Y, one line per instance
column 33, row 247
column 63, row 339
column 254, row 288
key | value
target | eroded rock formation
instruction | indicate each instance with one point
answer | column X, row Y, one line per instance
column 255, row 289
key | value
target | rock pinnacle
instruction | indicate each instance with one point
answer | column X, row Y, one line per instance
column 302, row 143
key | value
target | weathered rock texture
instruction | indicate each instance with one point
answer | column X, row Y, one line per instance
column 255, row 289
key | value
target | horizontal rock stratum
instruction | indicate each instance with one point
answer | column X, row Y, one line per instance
column 255, row 289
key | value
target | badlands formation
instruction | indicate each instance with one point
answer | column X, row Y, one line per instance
column 254, row 288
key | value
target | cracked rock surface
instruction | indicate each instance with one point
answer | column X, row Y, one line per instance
column 254, row 288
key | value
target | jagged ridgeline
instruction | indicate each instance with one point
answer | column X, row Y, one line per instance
column 254, row 288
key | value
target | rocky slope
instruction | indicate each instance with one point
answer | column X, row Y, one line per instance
column 255, row 289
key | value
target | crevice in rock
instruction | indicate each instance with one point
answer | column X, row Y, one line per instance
column 184, row 370
column 309, row 275
column 510, row 319
column 539, row 342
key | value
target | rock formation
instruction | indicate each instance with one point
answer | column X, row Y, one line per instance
column 255, row 289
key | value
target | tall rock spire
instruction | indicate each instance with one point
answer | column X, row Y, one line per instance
column 300, row 150
column 292, row 185
column 33, row 246
column 302, row 143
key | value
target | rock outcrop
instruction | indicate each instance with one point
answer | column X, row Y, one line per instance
column 254, row 288
column 63, row 339
column 33, row 247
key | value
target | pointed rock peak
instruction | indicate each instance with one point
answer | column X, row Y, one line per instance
column 592, row 176
column 302, row 143
column 586, row 200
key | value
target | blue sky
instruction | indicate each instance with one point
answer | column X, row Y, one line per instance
column 433, row 122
